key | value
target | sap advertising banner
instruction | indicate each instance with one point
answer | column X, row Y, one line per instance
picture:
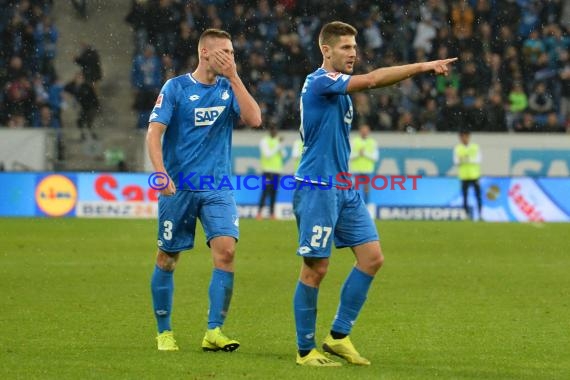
column 111, row 195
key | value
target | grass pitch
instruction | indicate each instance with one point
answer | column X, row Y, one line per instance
column 453, row 301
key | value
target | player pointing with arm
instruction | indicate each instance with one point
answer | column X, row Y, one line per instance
column 196, row 113
column 324, row 216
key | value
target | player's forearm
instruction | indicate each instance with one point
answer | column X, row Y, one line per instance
column 385, row 76
column 249, row 109
column 154, row 146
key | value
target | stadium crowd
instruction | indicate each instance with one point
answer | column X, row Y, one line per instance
column 513, row 73
column 31, row 92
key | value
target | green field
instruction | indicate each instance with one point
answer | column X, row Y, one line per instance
column 455, row 300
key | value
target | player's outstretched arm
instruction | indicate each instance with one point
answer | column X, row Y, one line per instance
column 154, row 146
column 387, row 76
column 249, row 109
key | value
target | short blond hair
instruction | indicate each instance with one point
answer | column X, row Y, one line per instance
column 213, row 33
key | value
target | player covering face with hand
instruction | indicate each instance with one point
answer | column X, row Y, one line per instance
column 335, row 215
column 194, row 116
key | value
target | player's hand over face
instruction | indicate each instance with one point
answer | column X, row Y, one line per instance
column 442, row 66
column 224, row 63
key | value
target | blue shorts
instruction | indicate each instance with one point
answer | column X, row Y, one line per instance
column 327, row 215
column 177, row 216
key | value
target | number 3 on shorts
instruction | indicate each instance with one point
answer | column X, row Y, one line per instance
column 318, row 240
column 167, row 233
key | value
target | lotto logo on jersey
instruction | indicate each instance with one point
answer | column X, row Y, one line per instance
column 207, row 116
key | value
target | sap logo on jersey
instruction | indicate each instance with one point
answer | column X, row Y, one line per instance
column 207, row 116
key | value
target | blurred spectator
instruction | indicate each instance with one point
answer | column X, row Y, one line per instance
column 476, row 119
column 496, row 115
column 45, row 36
column 19, row 101
column 428, row 116
column 138, row 18
column 462, row 17
column 80, row 7
column 552, row 124
column 526, row 124
column 425, row 33
column 540, row 100
column 518, row 102
column 45, row 119
column 89, row 61
column 85, row 95
column 452, row 112
column 564, row 75
column 146, row 78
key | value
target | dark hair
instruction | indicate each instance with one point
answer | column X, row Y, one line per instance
column 333, row 30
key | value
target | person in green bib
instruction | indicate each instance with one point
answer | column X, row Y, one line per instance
column 467, row 157
column 272, row 154
column 297, row 152
column 363, row 155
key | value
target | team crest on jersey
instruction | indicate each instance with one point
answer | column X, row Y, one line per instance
column 225, row 95
column 207, row 116
column 159, row 101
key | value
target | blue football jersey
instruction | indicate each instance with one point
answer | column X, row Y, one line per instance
column 198, row 138
column 326, row 119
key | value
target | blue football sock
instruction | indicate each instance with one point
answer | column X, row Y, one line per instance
column 220, row 292
column 352, row 297
column 162, row 288
column 305, row 305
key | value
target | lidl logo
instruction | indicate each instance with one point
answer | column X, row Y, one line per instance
column 56, row 195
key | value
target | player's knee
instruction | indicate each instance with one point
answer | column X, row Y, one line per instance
column 166, row 261
column 377, row 262
column 318, row 267
column 373, row 263
column 225, row 255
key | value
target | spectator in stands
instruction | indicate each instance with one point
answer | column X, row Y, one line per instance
column 90, row 63
column 19, row 100
column 564, row 83
column 80, row 7
column 452, row 112
column 476, row 119
column 428, row 116
column 526, row 124
column 518, row 102
column 552, row 124
column 146, row 78
column 45, row 36
column 45, row 119
column 85, row 95
column 138, row 18
column 540, row 101
column 496, row 115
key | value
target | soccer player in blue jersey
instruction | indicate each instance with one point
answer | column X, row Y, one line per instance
column 338, row 215
column 194, row 115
